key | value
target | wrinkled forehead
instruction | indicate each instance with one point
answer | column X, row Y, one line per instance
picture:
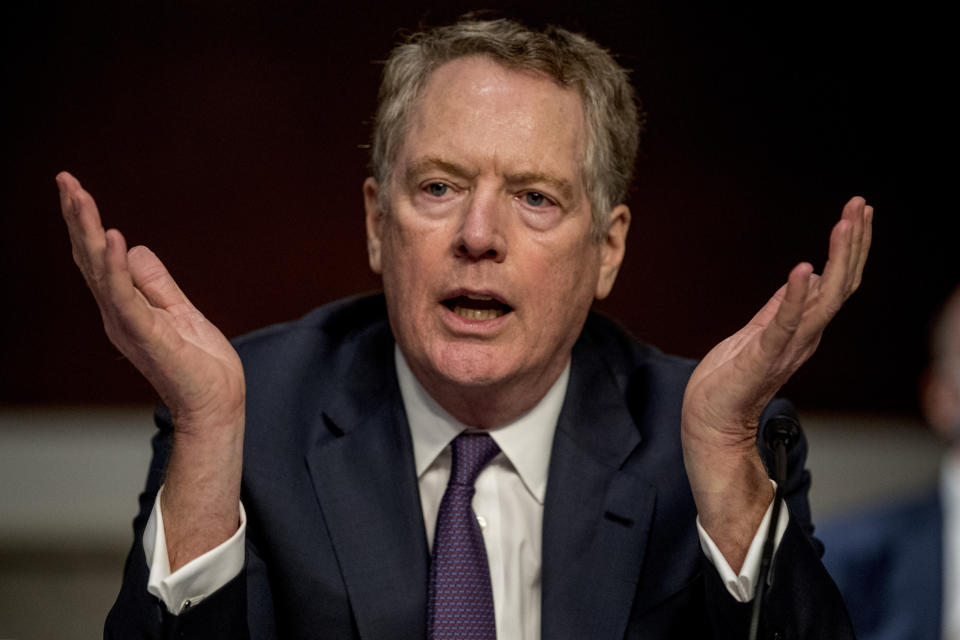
column 477, row 106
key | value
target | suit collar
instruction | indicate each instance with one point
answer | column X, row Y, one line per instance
column 597, row 517
column 361, row 465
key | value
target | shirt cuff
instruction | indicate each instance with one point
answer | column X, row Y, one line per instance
column 742, row 586
column 200, row 577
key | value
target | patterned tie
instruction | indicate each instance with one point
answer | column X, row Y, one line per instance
column 460, row 598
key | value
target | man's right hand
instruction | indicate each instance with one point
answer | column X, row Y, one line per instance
column 192, row 366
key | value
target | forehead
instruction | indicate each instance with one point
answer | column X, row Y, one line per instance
column 481, row 111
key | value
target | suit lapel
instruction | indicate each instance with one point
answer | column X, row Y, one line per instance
column 596, row 517
column 364, row 477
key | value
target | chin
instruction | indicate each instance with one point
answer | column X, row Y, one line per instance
column 471, row 365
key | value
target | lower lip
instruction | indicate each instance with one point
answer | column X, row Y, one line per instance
column 465, row 325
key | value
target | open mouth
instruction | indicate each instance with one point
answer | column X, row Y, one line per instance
column 477, row 307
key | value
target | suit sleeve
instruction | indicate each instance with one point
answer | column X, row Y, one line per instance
column 802, row 601
column 137, row 614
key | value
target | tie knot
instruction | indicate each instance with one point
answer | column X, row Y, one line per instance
column 471, row 453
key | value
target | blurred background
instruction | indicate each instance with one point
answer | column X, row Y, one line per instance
column 230, row 138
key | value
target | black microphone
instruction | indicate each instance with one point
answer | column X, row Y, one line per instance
column 779, row 434
column 781, row 428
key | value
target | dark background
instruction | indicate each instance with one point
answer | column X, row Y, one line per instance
column 228, row 137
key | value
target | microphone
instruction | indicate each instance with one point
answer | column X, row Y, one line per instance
column 779, row 434
column 781, row 428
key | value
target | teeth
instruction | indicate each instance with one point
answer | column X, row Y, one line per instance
column 478, row 314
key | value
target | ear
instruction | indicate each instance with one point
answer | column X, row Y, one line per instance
column 613, row 246
column 371, row 202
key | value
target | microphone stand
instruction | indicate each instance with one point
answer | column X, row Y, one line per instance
column 779, row 434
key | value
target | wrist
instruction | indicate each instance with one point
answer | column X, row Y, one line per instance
column 220, row 421
column 730, row 490
column 730, row 486
column 201, row 496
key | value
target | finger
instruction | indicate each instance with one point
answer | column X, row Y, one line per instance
column 151, row 277
column 864, row 246
column 64, row 180
column 79, row 209
column 853, row 211
column 122, row 306
column 766, row 314
column 83, row 223
column 832, row 287
column 781, row 329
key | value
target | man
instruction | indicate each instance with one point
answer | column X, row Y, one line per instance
column 897, row 565
column 501, row 160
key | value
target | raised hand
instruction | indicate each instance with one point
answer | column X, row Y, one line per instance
column 187, row 360
column 734, row 382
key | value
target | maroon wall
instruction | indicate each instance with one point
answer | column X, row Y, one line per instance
column 228, row 137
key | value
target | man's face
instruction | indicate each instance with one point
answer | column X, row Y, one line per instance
column 488, row 263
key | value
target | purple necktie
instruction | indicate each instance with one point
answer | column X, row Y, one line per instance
column 460, row 598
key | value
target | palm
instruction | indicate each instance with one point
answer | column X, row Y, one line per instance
column 187, row 360
column 195, row 369
column 738, row 377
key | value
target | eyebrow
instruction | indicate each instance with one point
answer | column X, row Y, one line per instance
column 431, row 163
column 563, row 187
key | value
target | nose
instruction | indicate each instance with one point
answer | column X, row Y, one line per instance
column 481, row 232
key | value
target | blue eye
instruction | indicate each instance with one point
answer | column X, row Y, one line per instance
column 437, row 189
column 535, row 199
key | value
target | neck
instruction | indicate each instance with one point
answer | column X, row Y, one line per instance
column 488, row 405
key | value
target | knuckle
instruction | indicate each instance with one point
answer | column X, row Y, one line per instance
column 80, row 198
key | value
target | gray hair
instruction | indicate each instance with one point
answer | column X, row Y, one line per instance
column 611, row 114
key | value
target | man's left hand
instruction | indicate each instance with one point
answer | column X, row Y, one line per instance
column 734, row 382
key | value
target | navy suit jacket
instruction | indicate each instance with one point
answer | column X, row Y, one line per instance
column 888, row 563
column 336, row 546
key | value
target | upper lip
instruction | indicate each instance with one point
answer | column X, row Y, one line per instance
column 475, row 294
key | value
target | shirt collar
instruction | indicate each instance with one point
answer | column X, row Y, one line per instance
column 526, row 442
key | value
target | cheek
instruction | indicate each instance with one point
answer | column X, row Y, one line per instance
column 564, row 285
column 570, row 271
column 411, row 257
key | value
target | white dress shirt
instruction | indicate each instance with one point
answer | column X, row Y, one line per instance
column 508, row 502
column 509, row 497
